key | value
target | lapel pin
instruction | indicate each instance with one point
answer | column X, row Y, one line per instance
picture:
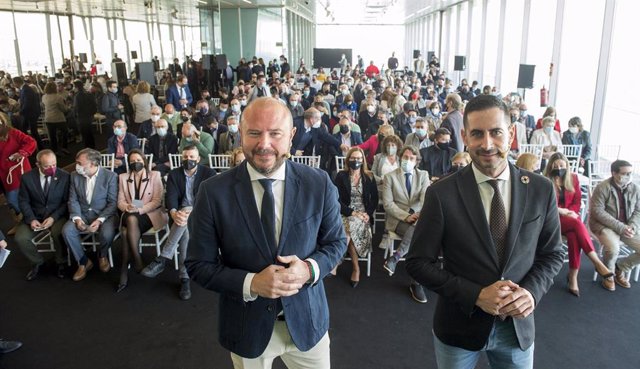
column 525, row 179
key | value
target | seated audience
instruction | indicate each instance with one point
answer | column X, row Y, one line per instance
column 420, row 137
column 171, row 117
column 547, row 137
column 120, row 144
column 387, row 160
column 576, row 135
column 93, row 196
column 520, row 134
column 358, row 196
column 347, row 135
column 237, row 157
column 201, row 140
column 230, row 139
column 436, row 159
column 372, row 145
column 550, row 112
column 182, row 188
column 569, row 199
column 459, row 161
column 614, row 217
column 43, row 196
column 140, row 201
column 147, row 127
column 402, row 196
column 161, row 144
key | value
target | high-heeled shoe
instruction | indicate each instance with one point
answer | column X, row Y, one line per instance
column 121, row 287
column 573, row 291
column 609, row 274
column 354, row 282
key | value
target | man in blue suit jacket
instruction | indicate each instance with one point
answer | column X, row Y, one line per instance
column 127, row 140
column 263, row 235
column 312, row 138
column 29, row 108
column 179, row 95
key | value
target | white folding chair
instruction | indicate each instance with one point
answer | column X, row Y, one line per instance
column 175, row 160
column 599, row 170
column 89, row 239
column 339, row 163
column 389, row 240
column 573, row 152
column 159, row 236
column 311, row 161
column 99, row 120
column 107, row 161
column 367, row 259
column 219, row 162
column 141, row 143
column 43, row 241
column 216, row 101
column 536, row 150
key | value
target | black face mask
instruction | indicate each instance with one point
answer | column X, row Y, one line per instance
column 137, row 166
column 185, row 119
column 344, row 129
column 355, row 164
column 455, row 168
column 558, row 172
column 514, row 118
column 443, row 145
column 189, row 164
column 380, row 138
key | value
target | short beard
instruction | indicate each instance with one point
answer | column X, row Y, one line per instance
column 267, row 171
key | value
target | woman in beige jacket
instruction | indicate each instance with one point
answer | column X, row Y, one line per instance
column 55, row 118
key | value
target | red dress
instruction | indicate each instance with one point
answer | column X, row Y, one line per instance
column 17, row 142
column 573, row 228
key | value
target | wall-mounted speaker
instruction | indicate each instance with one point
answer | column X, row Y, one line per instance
column 525, row 75
column 460, row 63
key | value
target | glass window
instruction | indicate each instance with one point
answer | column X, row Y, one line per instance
column 621, row 111
column 463, row 29
column 7, row 45
column 66, row 35
column 56, row 46
column 32, row 38
column 491, row 42
column 473, row 61
column 511, row 45
column 579, row 60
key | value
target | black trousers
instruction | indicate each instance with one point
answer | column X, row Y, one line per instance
column 84, row 126
column 53, row 129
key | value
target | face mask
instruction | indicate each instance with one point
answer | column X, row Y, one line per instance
column 161, row 132
column 624, row 180
column 235, row 108
column 514, row 118
column 207, row 97
column 335, row 113
column 185, row 118
column 80, row 170
column 407, row 165
column 204, row 111
column 233, row 128
column 435, row 111
column 189, row 164
column 137, row 166
column 355, row 164
column 421, row 132
column 170, row 115
column 50, row 172
column 223, row 110
column 344, row 129
column 154, row 118
column 371, row 109
column 316, row 125
column 443, row 145
column 392, row 150
column 548, row 130
column 454, row 168
column 113, row 90
column 558, row 172
column 523, row 113
column 118, row 131
column 293, row 104
column 574, row 130
column 243, row 102
column 306, row 94
column 411, row 120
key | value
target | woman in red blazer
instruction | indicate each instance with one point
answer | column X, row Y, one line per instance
column 569, row 195
column 15, row 149
column 140, row 201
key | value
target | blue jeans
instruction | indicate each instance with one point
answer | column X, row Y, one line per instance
column 502, row 351
column 12, row 200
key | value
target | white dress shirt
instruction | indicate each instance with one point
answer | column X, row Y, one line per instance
column 278, row 197
column 90, row 186
column 486, row 191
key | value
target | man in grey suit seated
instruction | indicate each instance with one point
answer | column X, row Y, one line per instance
column 93, row 196
column 402, row 196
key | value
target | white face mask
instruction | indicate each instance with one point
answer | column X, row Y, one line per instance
column 171, row 115
column 624, row 180
column 574, row 130
column 233, row 128
column 316, row 124
column 154, row 118
column 407, row 165
column 371, row 109
column 162, row 132
column 80, row 170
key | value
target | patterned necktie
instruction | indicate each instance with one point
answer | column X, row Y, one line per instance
column 498, row 221
column 268, row 214
column 407, row 182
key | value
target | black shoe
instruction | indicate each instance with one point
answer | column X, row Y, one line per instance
column 185, row 289
column 121, row 287
column 33, row 273
column 154, row 268
column 9, row 346
column 417, row 292
column 60, row 271
column 390, row 264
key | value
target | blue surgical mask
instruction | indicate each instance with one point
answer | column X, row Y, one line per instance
column 421, row 132
column 407, row 165
column 233, row 128
column 548, row 130
column 118, row 131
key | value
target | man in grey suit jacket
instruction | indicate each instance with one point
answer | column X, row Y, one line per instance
column 497, row 230
column 402, row 196
column 93, row 197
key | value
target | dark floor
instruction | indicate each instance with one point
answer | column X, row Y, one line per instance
column 64, row 324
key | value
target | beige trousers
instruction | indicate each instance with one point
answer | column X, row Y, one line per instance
column 610, row 241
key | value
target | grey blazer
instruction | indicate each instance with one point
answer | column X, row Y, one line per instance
column 603, row 208
column 397, row 202
column 104, row 202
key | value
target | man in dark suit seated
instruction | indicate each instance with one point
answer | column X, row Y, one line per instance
column 264, row 235
column 43, row 201
column 179, row 94
column 161, row 144
column 436, row 159
column 347, row 136
column 93, row 197
column 148, row 127
column 312, row 138
column 120, row 144
column 182, row 187
column 488, row 242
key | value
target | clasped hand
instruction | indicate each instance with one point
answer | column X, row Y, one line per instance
column 277, row 280
column 506, row 298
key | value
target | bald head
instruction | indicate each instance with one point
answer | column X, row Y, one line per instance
column 268, row 107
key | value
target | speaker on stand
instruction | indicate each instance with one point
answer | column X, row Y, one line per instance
column 525, row 77
column 459, row 65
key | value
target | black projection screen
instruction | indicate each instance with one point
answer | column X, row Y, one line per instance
column 330, row 58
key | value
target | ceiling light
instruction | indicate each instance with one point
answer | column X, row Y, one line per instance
column 247, row 1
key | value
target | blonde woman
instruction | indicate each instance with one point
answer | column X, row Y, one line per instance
column 142, row 102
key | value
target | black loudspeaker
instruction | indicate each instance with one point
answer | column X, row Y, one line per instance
column 416, row 54
column 460, row 63
column 134, row 55
column 145, row 72
column 119, row 73
column 221, row 61
column 83, row 57
column 430, row 55
column 208, row 62
column 525, row 76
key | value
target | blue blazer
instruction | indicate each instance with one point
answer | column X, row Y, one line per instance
column 172, row 96
column 104, row 202
column 130, row 142
column 227, row 242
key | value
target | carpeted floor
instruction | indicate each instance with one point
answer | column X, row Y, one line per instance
column 68, row 325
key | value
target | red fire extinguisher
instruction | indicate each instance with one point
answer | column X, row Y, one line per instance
column 544, row 96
